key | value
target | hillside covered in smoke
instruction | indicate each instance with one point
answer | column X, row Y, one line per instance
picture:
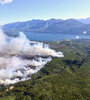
column 66, row 78
column 20, row 58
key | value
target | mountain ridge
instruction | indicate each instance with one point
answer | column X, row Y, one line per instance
column 71, row 26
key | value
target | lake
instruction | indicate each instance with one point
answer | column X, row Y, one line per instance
column 54, row 36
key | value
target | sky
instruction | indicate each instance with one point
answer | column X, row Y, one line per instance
column 23, row 10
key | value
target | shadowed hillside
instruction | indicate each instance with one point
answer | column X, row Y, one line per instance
column 69, row 26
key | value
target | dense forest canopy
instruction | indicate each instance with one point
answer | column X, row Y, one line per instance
column 66, row 78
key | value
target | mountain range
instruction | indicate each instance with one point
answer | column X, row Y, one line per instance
column 71, row 26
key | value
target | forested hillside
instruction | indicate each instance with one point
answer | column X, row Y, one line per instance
column 66, row 78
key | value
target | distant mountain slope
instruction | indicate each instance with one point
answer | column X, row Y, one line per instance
column 85, row 21
column 71, row 26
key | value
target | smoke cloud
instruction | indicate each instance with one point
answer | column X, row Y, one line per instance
column 20, row 58
column 5, row 1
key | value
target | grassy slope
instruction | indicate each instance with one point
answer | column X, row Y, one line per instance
column 65, row 78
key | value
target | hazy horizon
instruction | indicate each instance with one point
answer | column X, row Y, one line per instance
column 43, row 19
column 24, row 10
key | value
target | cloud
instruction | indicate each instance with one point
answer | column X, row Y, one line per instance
column 5, row 1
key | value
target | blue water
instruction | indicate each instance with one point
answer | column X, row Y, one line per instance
column 54, row 36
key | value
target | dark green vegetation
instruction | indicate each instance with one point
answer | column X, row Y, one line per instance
column 69, row 26
column 65, row 78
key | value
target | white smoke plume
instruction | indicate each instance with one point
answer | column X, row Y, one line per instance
column 5, row 1
column 20, row 58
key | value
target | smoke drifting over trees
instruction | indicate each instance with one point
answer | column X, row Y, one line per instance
column 20, row 58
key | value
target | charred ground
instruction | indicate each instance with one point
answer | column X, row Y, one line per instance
column 66, row 78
